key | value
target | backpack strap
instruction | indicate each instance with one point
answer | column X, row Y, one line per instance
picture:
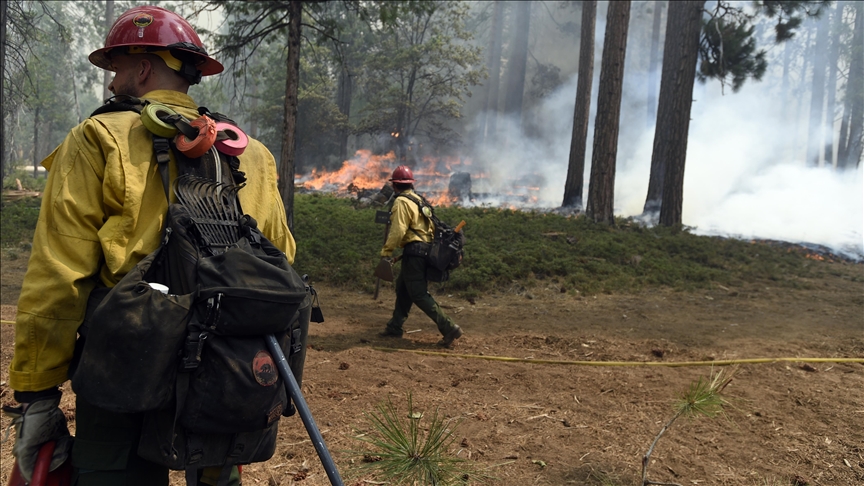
column 161, row 147
column 119, row 103
column 421, row 202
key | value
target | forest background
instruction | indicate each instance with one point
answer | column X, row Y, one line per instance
column 488, row 88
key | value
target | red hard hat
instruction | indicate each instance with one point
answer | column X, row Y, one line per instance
column 402, row 175
column 156, row 29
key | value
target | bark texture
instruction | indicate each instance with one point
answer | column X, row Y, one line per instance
column 831, row 86
column 683, row 28
column 573, row 186
column 289, row 130
column 490, row 116
column 3, row 160
column 601, row 190
column 817, row 98
column 855, row 94
column 654, row 62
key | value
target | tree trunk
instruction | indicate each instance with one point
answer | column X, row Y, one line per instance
column 601, row 190
column 817, row 97
column 576, row 168
column 855, row 93
column 490, row 116
column 36, row 123
column 787, row 60
column 654, row 63
column 683, row 28
column 253, row 106
column 343, row 100
column 831, row 86
column 807, row 51
column 676, row 97
column 518, row 60
column 3, row 159
column 843, row 139
column 289, row 129
column 109, row 21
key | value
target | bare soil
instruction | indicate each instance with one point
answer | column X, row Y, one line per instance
column 552, row 424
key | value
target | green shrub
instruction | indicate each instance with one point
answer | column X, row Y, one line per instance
column 339, row 243
column 18, row 221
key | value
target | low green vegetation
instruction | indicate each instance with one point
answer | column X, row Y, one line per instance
column 338, row 243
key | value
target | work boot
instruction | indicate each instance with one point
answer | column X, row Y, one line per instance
column 450, row 337
column 391, row 333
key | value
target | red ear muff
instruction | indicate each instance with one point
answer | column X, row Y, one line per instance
column 235, row 140
column 198, row 146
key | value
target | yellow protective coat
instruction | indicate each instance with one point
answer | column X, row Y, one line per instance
column 405, row 215
column 102, row 212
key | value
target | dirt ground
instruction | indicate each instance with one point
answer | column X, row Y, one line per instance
column 789, row 423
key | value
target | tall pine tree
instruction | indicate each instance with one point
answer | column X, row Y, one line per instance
column 601, row 189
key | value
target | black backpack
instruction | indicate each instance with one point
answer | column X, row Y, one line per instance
column 447, row 248
column 193, row 359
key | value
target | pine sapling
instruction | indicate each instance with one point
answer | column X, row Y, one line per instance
column 405, row 453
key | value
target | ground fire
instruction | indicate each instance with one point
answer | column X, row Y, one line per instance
column 444, row 181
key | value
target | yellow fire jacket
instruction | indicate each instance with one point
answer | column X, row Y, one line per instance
column 102, row 212
column 405, row 215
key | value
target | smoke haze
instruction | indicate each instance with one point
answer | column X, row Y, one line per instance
column 745, row 175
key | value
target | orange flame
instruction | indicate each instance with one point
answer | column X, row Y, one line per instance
column 365, row 171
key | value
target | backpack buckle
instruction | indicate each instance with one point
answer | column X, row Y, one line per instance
column 192, row 350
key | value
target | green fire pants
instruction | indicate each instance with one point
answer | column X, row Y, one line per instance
column 411, row 288
column 105, row 451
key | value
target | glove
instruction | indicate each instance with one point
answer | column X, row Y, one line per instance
column 35, row 424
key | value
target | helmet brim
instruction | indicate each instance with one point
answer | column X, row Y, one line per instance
column 208, row 66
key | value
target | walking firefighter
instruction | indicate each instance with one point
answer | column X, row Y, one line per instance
column 430, row 250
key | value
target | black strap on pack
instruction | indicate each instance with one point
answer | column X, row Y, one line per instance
column 420, row 201
column 120, row 103
column 161, row 148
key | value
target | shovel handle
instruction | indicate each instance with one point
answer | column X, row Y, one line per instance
column 459, row 226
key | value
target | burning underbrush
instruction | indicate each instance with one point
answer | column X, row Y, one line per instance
column 460, row 182
column 444, row 181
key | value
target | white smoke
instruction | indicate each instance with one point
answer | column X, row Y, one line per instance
column 745, row 174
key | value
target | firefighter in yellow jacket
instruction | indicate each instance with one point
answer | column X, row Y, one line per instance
column 102, row 212
column 412, row 231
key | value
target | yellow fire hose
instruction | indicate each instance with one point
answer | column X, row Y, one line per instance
column 722, row 362
column 671, row 364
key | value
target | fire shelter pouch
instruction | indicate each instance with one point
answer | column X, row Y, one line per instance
column 128, row 362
